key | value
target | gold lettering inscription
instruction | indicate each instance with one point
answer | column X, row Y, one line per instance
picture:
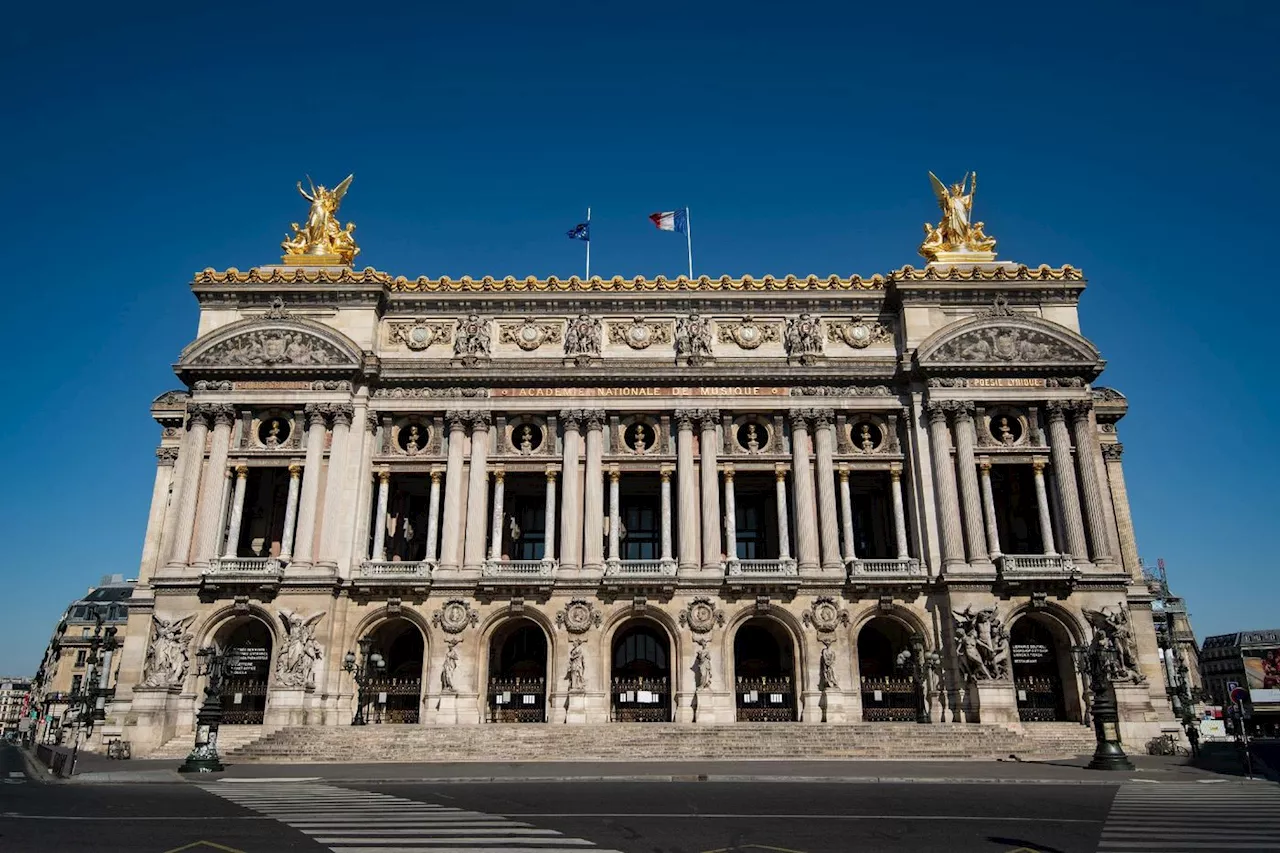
column 1006, row 382
column 627, row 391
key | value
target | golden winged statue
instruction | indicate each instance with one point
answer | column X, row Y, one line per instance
column 322, row 240
column 956, row 237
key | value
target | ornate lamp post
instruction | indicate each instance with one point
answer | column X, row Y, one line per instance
column 370, row 667
column 204, row 756
column 1096, row 662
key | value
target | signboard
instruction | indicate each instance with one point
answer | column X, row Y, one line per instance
column 1262, row 668
column 246, row 660
column 1030, row 654
column 1213, row 728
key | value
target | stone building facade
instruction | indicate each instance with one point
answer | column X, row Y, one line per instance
column 681, row 501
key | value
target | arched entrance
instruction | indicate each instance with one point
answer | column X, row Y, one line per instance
column 640, row 677
column 518, row 673
column 764, row 669
column 886, row 669
column 395, row 694
column 246, row 647
column 1042, row 667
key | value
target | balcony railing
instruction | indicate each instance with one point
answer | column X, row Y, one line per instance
column 243, row 566
column 519, row 569
column 394, row 569
column 761, row 568
column 865, row 570
column 640, row 568
column 1037, row 565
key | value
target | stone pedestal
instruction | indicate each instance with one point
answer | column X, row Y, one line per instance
column 684, row 707
column 996, row 702
column 575, row 712
column 706, row 708
column 446, row 709
column 1139, row 720
column 154, row 712
column 811, row 707
column 286, row 706
column 832, row 703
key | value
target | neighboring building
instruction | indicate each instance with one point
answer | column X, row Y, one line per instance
column 1179, row 652
column 585, row 501
column 79, row 651
column 13, row 703
column 1251, row 659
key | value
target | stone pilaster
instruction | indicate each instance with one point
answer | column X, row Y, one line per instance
column 1065, row 476
column 944, row 482
column 158, row 516
column 1087, row 454
column 1120, row 500
column 451, row 539
column 179, row 520
column 337, row 511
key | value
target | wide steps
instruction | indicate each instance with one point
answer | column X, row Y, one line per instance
column 640, row 741
column 229, row 738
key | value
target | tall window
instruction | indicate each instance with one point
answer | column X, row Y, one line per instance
column 640, row 529
column 80, row 657
column 75, row 683
column 529, row 536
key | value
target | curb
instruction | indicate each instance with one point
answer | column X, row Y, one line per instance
column 36, row 771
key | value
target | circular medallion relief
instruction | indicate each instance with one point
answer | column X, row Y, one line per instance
column 752, row 437
column 700, row 615
column 825, row 615
column 639, row 335
column 454, row 616
column 273, row 431
column 866, row 436
column 578, row 616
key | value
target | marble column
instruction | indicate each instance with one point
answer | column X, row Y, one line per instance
column 615, row 516
column 433, row 516
column 668, row 557
column 784, row 522
column 290, row 512
column 380, row 517
column 989, row 509
column 1042, row 501
column 899, row 512
column 593, row 495
column 477, row 494
column 337, row 511
column 157, row 516
column 571, row 491
column 452, row 523
column 549, row 516
column 1120, row 500
column 846, row 515
column 712, row 555
column 499, row 501
column 207, row 533
column 1087, row 453
column 966, row 464
column 191, row 459
column 305, row 541
column 366, row 497
column 730, row 517
column 824, row 439
column 1065, row 476
column 687, row 492
column 237, row 513
column 944, row 483
column 802, row 488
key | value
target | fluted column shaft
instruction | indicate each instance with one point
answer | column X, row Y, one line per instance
column 730, row 516
column 593, row 496
column 899, row 512
column 665, row 521
column 1087, row 455
column 499, row 500
column 824, row 438
column 1065, row 476
column 989, row 509
column 944, row 476
column 549, row 516
column 380, row 517
column 304, row 543
column 571, row 493
column 802, row 484
column 1042, row 501
column 784, row 522
column 237, row 513
column 433, row 517
column 477, row 494
column 687, row 485
column 846, row 515
column 207, row 532
column 615, row 516
column 711, row 548
column 187, row 492
column 290, row 512
column 966, row 464
column 336, row 512
column 452, row 524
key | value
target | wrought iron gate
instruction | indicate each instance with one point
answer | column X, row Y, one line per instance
column 1040, row 699
column 641, row 700
column 517, row 700
column 393, row 700
column 766, row 700
column 890, row 700
column 244, row 701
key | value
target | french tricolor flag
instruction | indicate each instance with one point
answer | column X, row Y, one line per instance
column 672, row 220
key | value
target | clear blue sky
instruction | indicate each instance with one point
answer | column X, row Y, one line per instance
column 1133, row 140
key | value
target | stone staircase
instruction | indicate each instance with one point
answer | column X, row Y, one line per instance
column 229, row 738
column 648, row 741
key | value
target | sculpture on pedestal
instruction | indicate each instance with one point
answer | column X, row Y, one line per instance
column 827, row 679
column 982, row 644
column 323, row 236
column 300, row 650
column 1112, row 630
column 956, row 234
column 450, row 666
column 702, row 664
column 166, row 663
column 577, row 668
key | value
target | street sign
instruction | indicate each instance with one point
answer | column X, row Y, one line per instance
column 1239, row 695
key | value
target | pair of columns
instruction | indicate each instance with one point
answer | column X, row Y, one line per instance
column 459, row 542
column 433, row 516
column 977, row 528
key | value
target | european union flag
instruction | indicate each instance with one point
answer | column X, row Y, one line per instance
column 581, row 231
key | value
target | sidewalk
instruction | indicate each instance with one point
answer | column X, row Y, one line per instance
column 97, row 769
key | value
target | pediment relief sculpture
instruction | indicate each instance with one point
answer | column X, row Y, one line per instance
column 1007, row 339
column 270, row 347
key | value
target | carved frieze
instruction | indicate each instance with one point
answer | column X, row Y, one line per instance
column 841, row 391
column 530, row 335
column 423, row 393
column 420, row 334
column 582, row 338
column 473, row 339
column 859, row 333
column 640, row 334
column 749, row 334
column 270, row 347
column 1005, row 343
column 804, row 337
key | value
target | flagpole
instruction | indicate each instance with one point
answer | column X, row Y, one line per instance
column 688, row 233
column 588, row 244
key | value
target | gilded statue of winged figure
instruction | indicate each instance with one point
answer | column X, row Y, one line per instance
column 957, row 232
column 322, row 235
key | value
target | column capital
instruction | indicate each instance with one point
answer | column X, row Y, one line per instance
column 200, row 413
column 295, row 470
column 822, row 418
column 1112, row 452
column 843, row 471
column 457, row 419
column 166, row 455
column 371, row 420
column 706, row 418
column 594, row 419
column 223, row 414
column 895, row 473
column 1079, row 409
column 572, row 418
column 937, row 411
column 242, row 471
column 1037, row 464
column 551, row 474
column 961, row 410
column 728, row 471
column 341, row 413
column 315, row 414
column 384, row 476
column 780, row 472
column 664, row 472
column 499, row 474
column 479, row 420
column 615, row 473
column 984, row 465
column 1056, row 410
column 799, row 418
column 685, row 418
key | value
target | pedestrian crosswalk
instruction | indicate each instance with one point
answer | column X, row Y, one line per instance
column 1192, row 817
column 351, row 821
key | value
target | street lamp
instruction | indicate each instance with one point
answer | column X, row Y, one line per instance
column 1096, row 662
column 371, row 666
column 203, row 758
